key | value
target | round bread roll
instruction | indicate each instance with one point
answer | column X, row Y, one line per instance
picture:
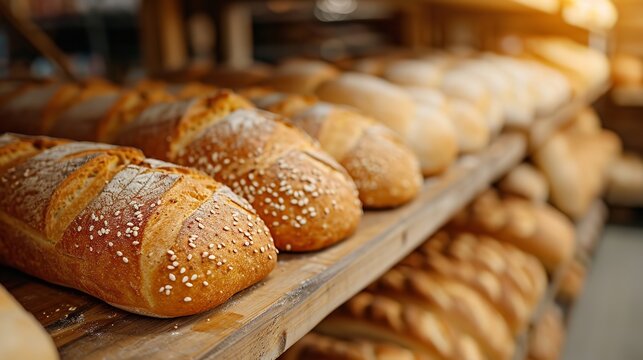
column 300, row 76
column 472, row 130
column 525, row 181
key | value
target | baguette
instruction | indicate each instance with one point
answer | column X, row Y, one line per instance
column 458, row 304
column 380, row 318
column 385, row 171
column 424, row 129
column 306, row 199
column 35, row 109
column 538, row 229
column 21, row 336
column 315, row 346
column 131, row 231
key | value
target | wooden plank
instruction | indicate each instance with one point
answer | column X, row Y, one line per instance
column 263, row 321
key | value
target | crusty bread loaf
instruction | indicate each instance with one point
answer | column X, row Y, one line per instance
column 35, row 109
column 433, row 138
column 235, row 78
column 455, row 302
column 301, row 76
column 314, row 346
column 525, row 181
column 143, row 235
column 548, row 336
column 385, row 171
column 21, row 336
column 99, row 118
column 571, row 284
column 471, row 129
column 306, row 199
column 512, row 281
column 382, row 318
column 538, row 229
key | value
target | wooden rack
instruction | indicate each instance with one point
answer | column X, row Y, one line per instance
column 266, row 319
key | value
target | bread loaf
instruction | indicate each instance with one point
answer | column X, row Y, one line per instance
column 627, row 70
column 385, row 171
column 381, row 318
column 471, row 128
column 512, row 281
column 425, row 130
column 21, row 336
column 455, row 302
column 411, row 72
column 99, row 118
column 314, row 346
column 525, row 181
column 301, row 76
column 537, row 229
column 306, row 199
column 547, row 337
column 143, row 235
column 35, row 109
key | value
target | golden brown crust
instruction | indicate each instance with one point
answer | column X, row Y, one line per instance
column 315, row 346
column 460, row 305
column 128, row 230
column 301, row 76
column 382, row 318
column 385, row 171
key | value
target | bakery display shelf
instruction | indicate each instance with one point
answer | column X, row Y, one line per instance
column 627, row 96
column 266, row 319
column 542, row 128
column 588, row 231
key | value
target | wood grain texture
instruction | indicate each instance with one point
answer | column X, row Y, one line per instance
column 266, row 319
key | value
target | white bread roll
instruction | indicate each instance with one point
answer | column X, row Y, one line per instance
column 426, row 130
column 472, row 130
column 21, row 336
column 525, row 181
column 409, row 72
column 459, row 84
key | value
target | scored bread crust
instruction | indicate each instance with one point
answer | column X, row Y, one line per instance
column 382, row 318
column 306, row 199
column 145, row 236
column 385, row 170
column 314, row 346
column 459, row 304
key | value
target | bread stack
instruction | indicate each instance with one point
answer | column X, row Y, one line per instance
column 575, row 161
column 385, row 171
column 143, row 235
column 459, row 296
column 537, row 229
column 305, row 198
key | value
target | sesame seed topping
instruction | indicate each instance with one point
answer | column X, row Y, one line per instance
column 187, row 299
column 175, row 263
column 201, row 226
column 205, row 283
column 185, row 279
column 182, row 270
column 226, row 228
column 79, row 228
column 119, row 253
column 172, row 277
column 189, row 257
column 170, row 252
column 194, row 277
column 188, row 284
column 125, row 260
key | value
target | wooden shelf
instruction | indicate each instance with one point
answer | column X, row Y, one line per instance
column 265, row 320
column 588, row 233
column 544, row 127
